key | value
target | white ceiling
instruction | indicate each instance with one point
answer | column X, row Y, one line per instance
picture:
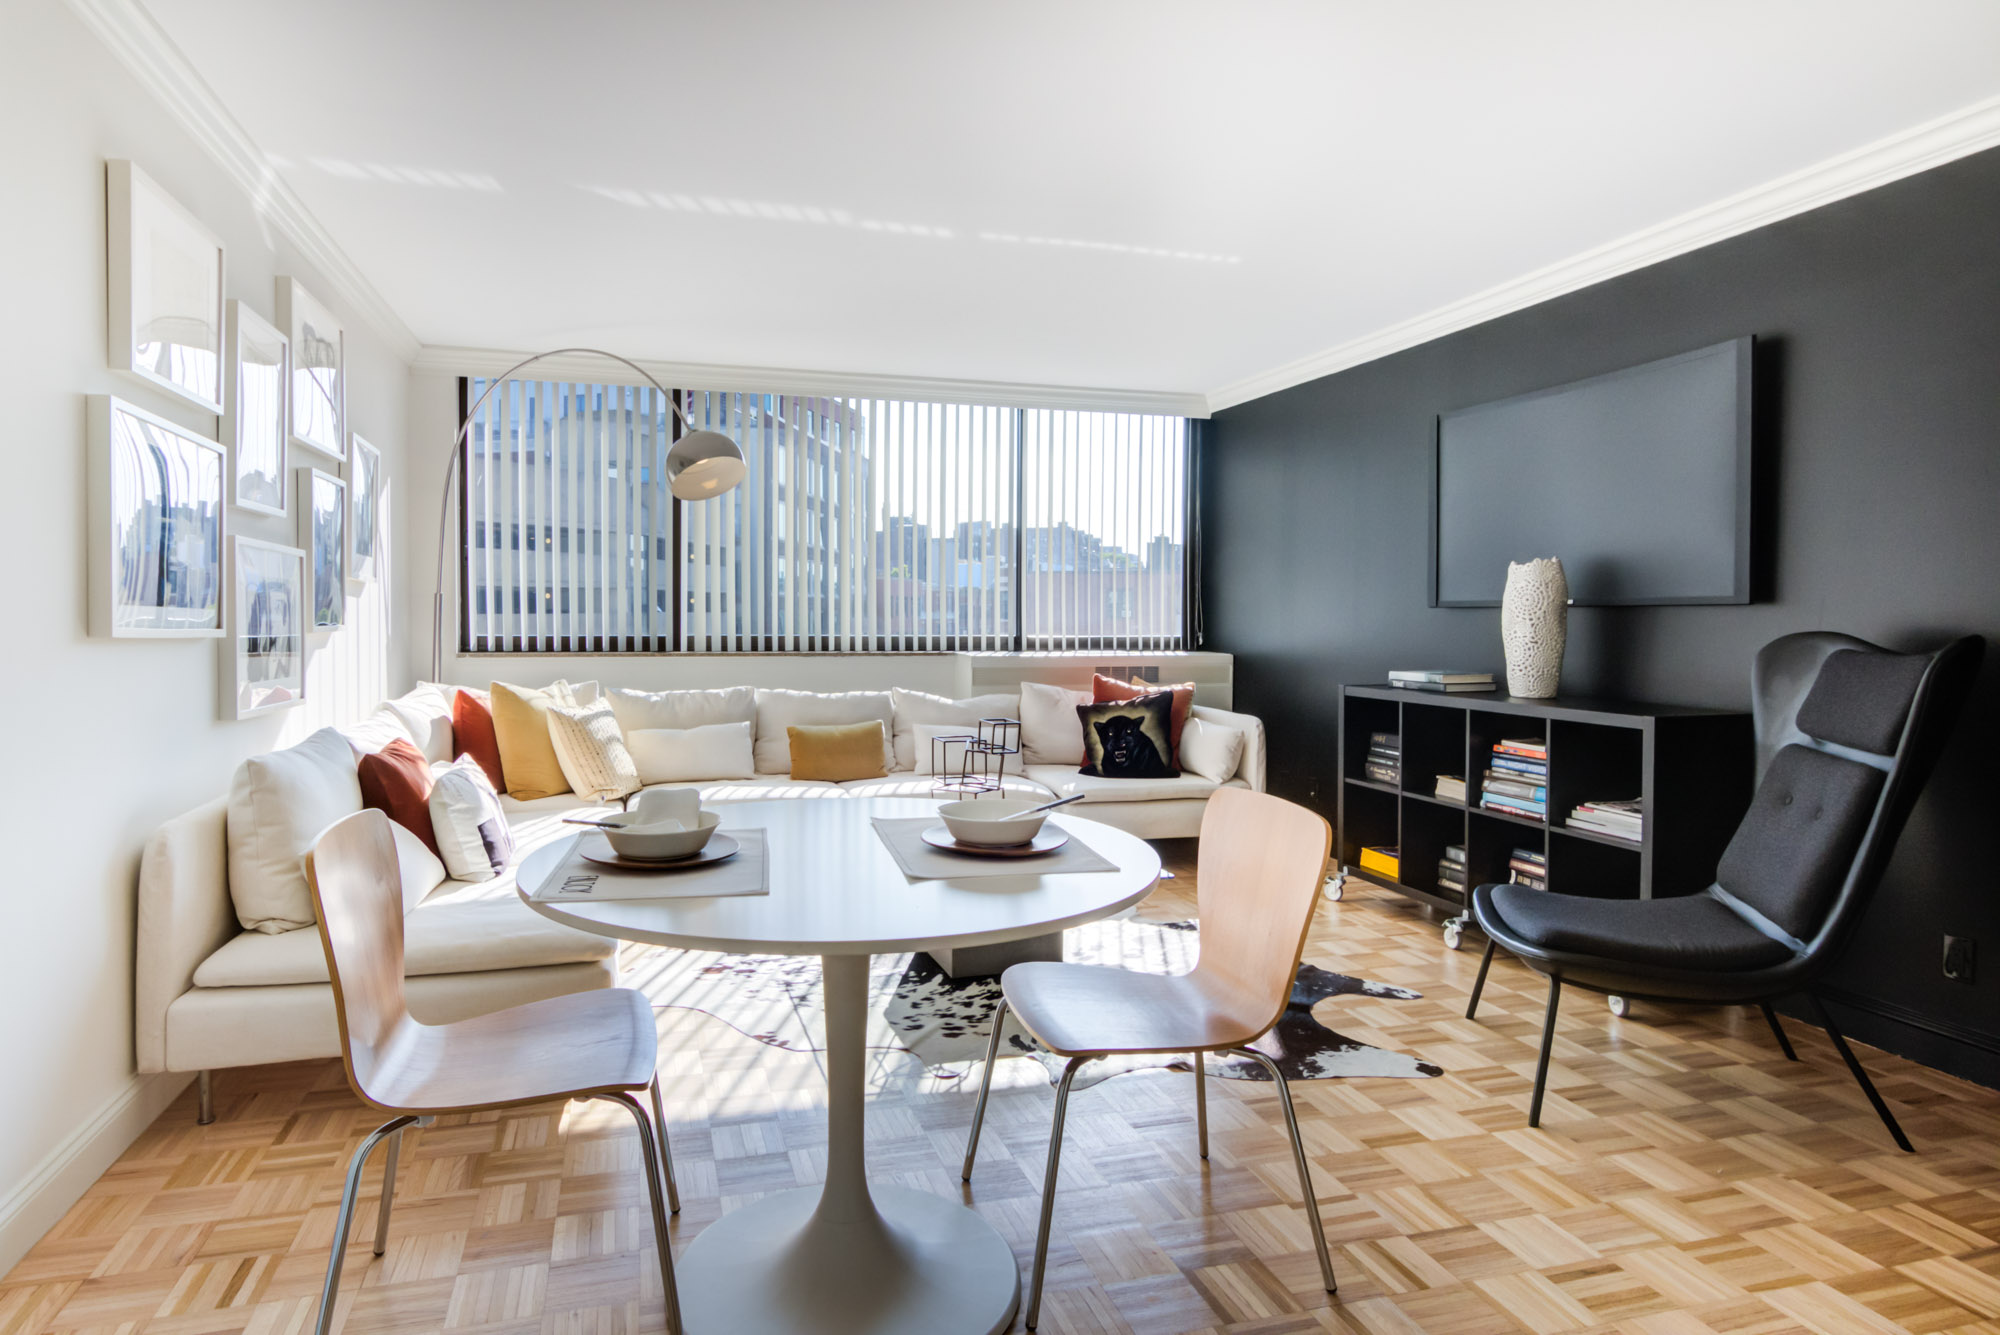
column 1130, row 194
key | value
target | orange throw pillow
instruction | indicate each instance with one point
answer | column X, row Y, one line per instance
column 472, row 735
column 397, row 782
column 1105, row 690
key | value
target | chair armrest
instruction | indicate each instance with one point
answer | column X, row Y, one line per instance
column 1251, row 768
column 185, row 915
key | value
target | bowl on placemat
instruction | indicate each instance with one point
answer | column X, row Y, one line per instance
column 994, row 822
column 661, row 840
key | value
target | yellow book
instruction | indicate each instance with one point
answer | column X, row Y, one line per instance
column 1383, row 862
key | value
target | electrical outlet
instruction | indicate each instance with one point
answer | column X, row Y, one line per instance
column 1961, row 957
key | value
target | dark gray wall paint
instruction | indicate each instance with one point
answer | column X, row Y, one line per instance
column 1878, row 425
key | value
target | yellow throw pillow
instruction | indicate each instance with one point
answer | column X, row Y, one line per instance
column 521, row 729
column 837, row 752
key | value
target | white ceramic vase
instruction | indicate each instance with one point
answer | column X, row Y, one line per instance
column 1534, row 623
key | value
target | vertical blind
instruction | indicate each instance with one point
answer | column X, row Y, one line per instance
column 862, row 525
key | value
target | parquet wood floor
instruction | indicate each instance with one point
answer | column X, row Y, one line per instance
column 1687, row 1180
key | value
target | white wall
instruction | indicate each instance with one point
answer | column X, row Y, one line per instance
column 108, row 738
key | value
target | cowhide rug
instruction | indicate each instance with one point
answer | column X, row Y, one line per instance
column 944, row 1022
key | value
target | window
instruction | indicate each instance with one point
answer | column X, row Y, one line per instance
column 862, row 525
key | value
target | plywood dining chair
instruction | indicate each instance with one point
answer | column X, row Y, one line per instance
column 1262, row 860
column 586, row 1045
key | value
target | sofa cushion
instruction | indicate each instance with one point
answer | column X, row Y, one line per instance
column 779, row 710
column 758, row 788
column 1050, row 731
column 682, row 710
column 1130, row 739
column 1210, row 749
column 521, row 727
column 472, row 734
column 681, row 755
column 417, row 866
column 278, row 804
column 397, row 782
column 925, row 785
column 425, row 711
column 1064, row 782
column 1107, row 690
column 917, row 707
column 839, row 752
column 474, row 837
column 371, row 734
column 591, row 749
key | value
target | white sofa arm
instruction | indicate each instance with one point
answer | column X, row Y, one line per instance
column 1251, row 768
column 185, row 915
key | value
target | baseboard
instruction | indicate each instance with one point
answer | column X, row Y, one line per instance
column 1942, row 1045
column 34, row 1205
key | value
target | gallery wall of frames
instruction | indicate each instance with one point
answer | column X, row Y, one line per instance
column 164, row 559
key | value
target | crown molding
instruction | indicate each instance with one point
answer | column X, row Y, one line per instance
column 1905, row 153
column 833, row 384
column 136, row 38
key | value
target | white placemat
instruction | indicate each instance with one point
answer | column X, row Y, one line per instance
column 903, row 836
column 577, row 879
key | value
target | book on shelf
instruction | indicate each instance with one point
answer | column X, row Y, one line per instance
column 1533, row 857
column 1446, row 687
column 1441, row 676
column 1619, row 819
column 1531, row 748
column 1450, row 788
column 1509, row 806
column 1455, row 853
column 1383, row 862
column 1378, row 773
column 1517, row 866
column 1527, row 769
column 1531, row 882
column 1498, row 781
column 1385, row 741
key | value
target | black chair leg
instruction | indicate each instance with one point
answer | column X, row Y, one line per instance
column 1479, row 983
column 1860, row 1076
column 1778, row 1031
column 1548, row 1041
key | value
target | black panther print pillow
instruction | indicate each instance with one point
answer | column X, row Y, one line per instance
column 1129, row 739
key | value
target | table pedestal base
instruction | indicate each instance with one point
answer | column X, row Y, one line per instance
column 914, row 1264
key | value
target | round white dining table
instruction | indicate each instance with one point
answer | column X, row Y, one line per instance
column 848, row 1257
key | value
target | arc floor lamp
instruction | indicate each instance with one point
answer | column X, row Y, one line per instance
column 700, row 465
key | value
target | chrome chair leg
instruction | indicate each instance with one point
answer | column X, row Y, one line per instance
column 345, row 1221
column 985, row 1088
column 204, row 1098
column 1049, row 1187
column 1305, row 1173
column 388, row 1192
column 1201, row 1102
column 649, row 1148
column 666, row 1150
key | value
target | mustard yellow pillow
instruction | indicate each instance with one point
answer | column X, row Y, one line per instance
column 521, row 730
column 837, row 752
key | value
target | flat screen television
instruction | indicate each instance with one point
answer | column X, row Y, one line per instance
column 1639, row 480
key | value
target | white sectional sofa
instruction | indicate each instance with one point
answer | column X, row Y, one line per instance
column 209, row 994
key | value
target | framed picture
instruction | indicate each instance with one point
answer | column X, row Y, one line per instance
column 264, row 655
column 323, row 533
column 164, row 279
column 319, row 378
column 156, row 503
column 257, row 366
column 364, row 508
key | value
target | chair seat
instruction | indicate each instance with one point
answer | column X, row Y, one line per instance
column 563, row 1047
column 1092, row 1008
column 1694, row 932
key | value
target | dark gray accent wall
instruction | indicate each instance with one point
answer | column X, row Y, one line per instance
column 1878, row 425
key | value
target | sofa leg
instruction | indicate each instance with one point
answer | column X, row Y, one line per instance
column 1860, row 1076
column 204, row 1099
column 1479, row 983
column 1548, row 1042
column 1778, row 1031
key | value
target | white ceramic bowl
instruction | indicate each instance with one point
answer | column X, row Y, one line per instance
column 995, row 822
column 661, row 841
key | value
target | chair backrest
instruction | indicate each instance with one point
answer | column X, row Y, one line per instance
column 1847, row 734
column 357, row 892
column 1262, row 863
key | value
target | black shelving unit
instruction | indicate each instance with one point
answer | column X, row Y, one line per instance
column 1690, row 769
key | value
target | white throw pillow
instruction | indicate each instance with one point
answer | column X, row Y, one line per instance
column 916, row 707
column 417, row 867
column 278, row 804
column 590, row 747
column 778, row 710
column 471, row 829
column 682, row 755
column 683, row 710
column 426, row 714
column 1051, row 733
column 1211, row 750
column 928, row 732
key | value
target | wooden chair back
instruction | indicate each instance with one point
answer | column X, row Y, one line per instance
column 1262, row 862
column 357, row 893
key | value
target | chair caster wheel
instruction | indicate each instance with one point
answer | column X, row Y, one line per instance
column 1620, row 1007
column 1454, row 934
column 1336, row 886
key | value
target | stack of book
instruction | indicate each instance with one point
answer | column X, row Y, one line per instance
column 1383, row 862
column 1619, row 819
column 1529, row 868
column 1442, row 679
column 1385, row 758
column 1517, row 779
column 1451, row 869
column 1451, row 788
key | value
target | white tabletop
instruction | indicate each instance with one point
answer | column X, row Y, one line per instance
column 836, row 891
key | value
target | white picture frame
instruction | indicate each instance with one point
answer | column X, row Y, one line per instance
column 364, row 509
column 319, row 370
column 157, row 499
column 164, row 281
column 264, row 655
column 256, row 411
column 323, row 535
